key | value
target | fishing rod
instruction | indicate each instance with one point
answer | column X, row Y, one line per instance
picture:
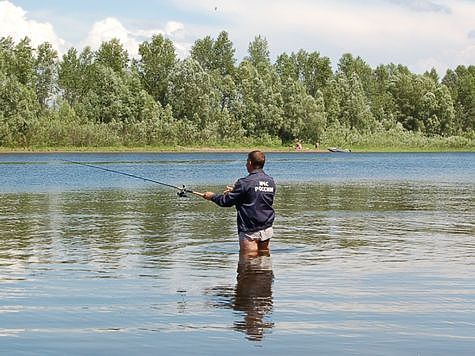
column 181, row 191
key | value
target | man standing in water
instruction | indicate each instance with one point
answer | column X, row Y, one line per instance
column 253, row 197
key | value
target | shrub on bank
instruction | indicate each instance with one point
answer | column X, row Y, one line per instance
column 393, row 139
column 64, row 129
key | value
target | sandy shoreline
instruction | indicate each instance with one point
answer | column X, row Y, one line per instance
column 180, row 149
column 159, row 150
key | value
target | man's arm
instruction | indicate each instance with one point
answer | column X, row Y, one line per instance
column 208, row 195
column 229, row 198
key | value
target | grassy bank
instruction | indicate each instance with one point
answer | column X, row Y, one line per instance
column 165, row 149
column 70, row 136
column 101, row 138
column 235, row 148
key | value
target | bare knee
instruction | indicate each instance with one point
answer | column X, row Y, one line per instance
column 247, row 245
column 263, row 245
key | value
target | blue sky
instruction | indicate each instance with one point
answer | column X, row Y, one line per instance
column 418, row 33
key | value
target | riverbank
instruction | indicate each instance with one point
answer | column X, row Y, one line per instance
column 244, row 149
column 167, row 149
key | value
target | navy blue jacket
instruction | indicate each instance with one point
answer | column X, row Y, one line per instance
column 253, row 197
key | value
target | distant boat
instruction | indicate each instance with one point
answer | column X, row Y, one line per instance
column 337, row 149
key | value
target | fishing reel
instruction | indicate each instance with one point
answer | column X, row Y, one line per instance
column 182, row 192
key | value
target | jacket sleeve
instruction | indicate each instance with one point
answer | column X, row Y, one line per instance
column 232, row 198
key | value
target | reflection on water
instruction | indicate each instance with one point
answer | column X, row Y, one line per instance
column 252, row 295
column 360, row 266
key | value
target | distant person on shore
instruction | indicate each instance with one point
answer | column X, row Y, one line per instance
column 253, row 197
column 298, row 145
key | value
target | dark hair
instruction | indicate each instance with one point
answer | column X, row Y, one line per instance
column 257, row 159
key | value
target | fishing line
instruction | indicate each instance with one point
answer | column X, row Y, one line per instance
column 181, row 191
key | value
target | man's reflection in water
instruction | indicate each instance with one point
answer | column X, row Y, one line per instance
column 252, row 294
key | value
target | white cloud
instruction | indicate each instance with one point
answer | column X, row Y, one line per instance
column 416, row 33
column 174, row 28
column 447, row 59
column 110, row 28
column 410, row 32
column 423, row 5
column 15, row 23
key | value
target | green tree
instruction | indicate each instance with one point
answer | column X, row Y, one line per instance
column 422, row 103
column 445, row 111
column 437, row 111
column 46, row 73
column 315, row 120
column 226, row 90
column 314, row 71
column 7, row 56
column 311, row 69
column 332, row 95
column 118, row 99
column 113, row 55
column 223, row 55
column 432, row 74
column 18, row 111
column 303, row 115
column 202, row 52
column 258, row 53
column 157, row 60
column 349, row 65
column 461, row 85
column 191, row 93
column 76, row 75
column 408, row 91
column 103, row 101
column 69, row 76
column 355, row 110
column 217, row 58
column 383, row 106
column 215, row 55
column 294, row 97
column 24, row 63
column 259, row 108
column 286, row 68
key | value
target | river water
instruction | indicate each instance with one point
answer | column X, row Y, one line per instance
column 373, row 254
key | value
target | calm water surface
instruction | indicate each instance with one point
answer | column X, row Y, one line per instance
column 373, row 254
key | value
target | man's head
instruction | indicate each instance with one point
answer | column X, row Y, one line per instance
column 255, row 160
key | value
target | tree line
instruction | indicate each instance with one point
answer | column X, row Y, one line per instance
column 107, row 98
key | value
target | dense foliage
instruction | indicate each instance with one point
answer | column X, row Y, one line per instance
column 106, row 98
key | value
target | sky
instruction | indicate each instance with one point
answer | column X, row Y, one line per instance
column 421, row 34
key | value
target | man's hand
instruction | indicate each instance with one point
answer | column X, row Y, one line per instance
column 228, row 189
column 208, row 195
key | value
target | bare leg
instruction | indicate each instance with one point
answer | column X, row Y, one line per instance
column 248, row 245
column 263, row 245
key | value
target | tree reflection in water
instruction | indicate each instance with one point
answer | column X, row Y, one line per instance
column 252, row 295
